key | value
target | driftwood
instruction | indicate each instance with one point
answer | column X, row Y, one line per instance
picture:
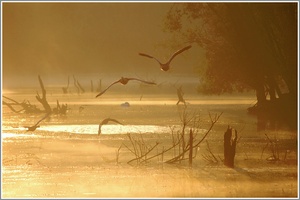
column 142, row 151
column 23, row 107
column 43, row 99
column 26, row 107
column 75, row 84
column 80, row 87
column 60, row 109
column 10, row 105
column 195, row 143
column 230, row 139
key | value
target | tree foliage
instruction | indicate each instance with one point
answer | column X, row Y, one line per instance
column 244, row 42
column 248, row 45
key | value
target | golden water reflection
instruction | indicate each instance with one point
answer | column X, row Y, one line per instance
column 93, row 129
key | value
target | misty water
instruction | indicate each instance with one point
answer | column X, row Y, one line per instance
column 65, row 156
column 146, row 113
column 107, row 129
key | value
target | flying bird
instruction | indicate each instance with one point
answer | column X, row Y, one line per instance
column 105, row 121
column 32, row 128
column 166, row 66
column 124, row 81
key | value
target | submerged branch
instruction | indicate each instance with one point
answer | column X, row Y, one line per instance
column 144, row 155
column 43, row 100
column 180, row 156
column 27, row 107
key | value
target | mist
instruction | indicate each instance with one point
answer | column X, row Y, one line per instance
column 89, row 41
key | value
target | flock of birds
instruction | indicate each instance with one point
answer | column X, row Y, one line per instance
column 163, row 67
column 123, row 80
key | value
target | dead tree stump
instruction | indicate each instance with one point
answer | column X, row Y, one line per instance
column 229, row 147
column 65, row 89
column 43, row 99
column 81, row 88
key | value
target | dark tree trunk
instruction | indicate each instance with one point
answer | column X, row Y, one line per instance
column 279, row 111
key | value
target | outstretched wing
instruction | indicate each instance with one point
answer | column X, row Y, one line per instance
column 43, row 118
column 146, row 55
column 114, row 120
column 105, row 121
column 148, row 82
column 179, row 51
column 107, row 88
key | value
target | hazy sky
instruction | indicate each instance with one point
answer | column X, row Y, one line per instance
column 88, row 39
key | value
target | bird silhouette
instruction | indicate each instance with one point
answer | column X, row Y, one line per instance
column 166, row 66
column 105, row 121
column 34, row 127
column 124, row 81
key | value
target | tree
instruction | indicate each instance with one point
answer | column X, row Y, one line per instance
column 248, row 45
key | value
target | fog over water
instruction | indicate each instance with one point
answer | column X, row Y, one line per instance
column 91, row 41
column 159, row 142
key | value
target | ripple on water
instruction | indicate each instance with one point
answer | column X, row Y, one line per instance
column 105, row 129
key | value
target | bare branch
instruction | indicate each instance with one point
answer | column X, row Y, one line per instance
column 43, row 100
column 144, row 155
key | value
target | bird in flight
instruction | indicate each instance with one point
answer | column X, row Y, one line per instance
column 105, row 121
column 32, row 128
column 124, row 81
column 166, row 66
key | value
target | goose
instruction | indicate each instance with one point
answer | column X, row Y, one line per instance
column 34, row 127
column 166, row 66
column 124, row 81
column 105, row 121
